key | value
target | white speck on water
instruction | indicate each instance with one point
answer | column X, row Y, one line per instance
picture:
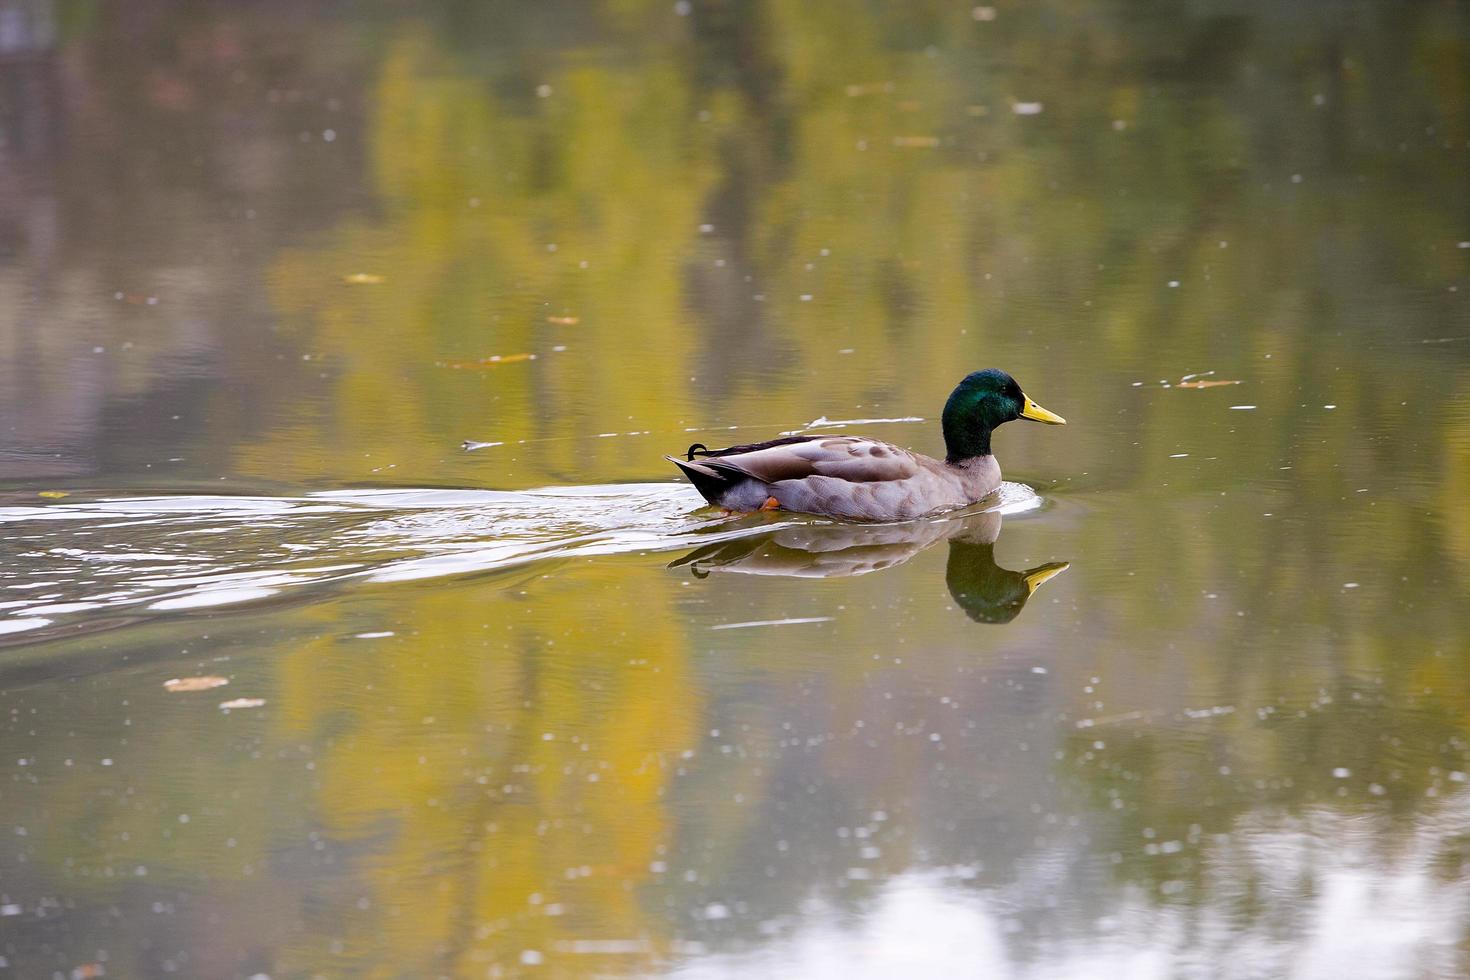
column 1178, row 455
column 1027, row 108
column 1119, row 125
column 1173, row 283
column 983, row 14
column 531, row 957
column 329, row 135
column 543, row 92
column 1329, row 407
column 1242, row 408
column 1462, row 245
column 706, row 229
column 1038, row 670
column 1319, row 99
column 1350, row 585
column 935, row 737
column 1376, row 789
column 1296, row 178
column 373, row 636
column 1341, row 772
column 806, row 297
column 714, row 911
column 1457, row 777
column 683, row 7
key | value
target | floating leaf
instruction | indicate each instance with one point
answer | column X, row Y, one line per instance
column 564, row 321
column 241, row 703
column 54, row 494
column 492, row 361
column 1205, row 384
column 179, row 685
column 364, row 279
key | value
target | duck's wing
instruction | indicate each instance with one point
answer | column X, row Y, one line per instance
column 853, row 459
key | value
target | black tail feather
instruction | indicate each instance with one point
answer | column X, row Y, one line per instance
column 710, row 481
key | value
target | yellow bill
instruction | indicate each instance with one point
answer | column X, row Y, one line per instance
column 1036, row 412
column 1037, row 576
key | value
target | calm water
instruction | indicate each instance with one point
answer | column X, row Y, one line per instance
column 1189, row 698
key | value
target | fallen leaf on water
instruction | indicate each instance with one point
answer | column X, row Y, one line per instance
column 491, row 361
column 919, row 141
column 364, row 279
column 1206, row 384
column 53, row 494
column 565, row 321
column 88, row 971
column 241, row 703
column 178, row 685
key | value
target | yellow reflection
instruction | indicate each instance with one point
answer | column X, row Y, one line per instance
column 496, row 772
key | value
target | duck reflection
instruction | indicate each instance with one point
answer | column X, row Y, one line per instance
column 986, row 592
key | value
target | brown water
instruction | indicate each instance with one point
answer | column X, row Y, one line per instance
column 1191, row 698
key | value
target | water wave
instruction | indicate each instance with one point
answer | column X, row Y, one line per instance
column 73, row 559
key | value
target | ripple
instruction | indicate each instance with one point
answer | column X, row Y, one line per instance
column 90, row 558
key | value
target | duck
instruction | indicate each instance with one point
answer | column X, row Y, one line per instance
column 858, row 478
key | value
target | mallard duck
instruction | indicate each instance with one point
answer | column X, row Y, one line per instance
column 858, row 478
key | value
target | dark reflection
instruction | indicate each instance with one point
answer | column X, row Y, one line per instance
column 986, row 592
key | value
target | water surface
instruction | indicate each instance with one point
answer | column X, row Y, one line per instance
column 339, row 351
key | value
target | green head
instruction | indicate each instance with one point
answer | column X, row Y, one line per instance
column 982, row 401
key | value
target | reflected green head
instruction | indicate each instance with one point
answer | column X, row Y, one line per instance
column 978, row 404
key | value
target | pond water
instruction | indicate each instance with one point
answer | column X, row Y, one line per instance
column 339, row 352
